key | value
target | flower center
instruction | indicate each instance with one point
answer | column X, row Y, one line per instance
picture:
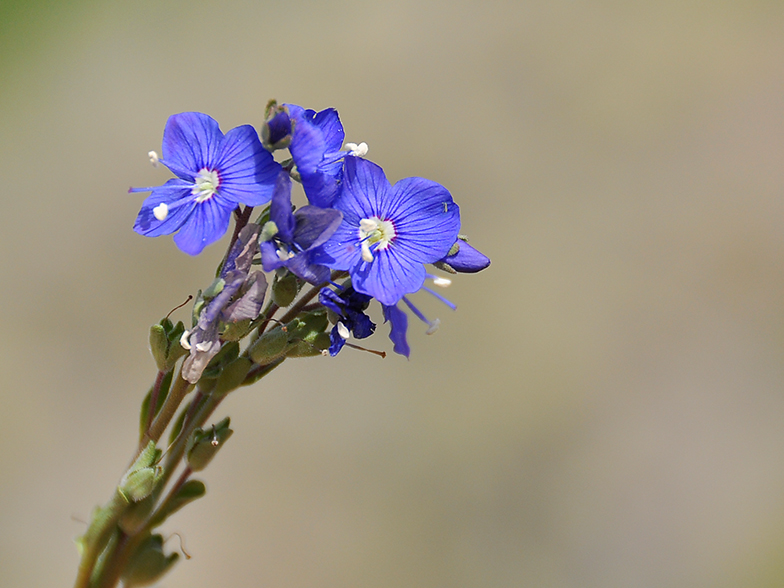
column 206, row 184
column 375, row 231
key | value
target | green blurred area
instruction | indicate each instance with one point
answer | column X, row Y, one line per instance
column 604, row 409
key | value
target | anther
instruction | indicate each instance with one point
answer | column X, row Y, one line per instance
column 161, row 211
column 184, row 343
column 442, row 282
column 357, row 150
column 154, row 159
column 343, row 330
column 433, row 327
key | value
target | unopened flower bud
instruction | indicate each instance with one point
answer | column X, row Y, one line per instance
column 284, row 289
column 269, row 347
column 276, row 129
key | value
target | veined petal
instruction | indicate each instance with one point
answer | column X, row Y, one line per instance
column 365, row 190
column 176, row 194
column 269, row 257
column 207, row 223
column 191, row 141
column 388, row 277
column 426, row 219
column 246, row 170
column 398, row 323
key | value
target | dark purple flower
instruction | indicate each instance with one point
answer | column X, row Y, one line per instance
column 350, row 306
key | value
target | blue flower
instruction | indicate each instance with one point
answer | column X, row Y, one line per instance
column 297, row 236
column 389, row 232
column 316, row 148
column 215, row 173
column 350, row 307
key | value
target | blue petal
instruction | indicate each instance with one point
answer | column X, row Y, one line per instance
column 191, row 141
column 269, row 256
column 177, row 195
column 302, row 267
column 398, row 322
column 425, row 218
column 467, row 259
column 365, row 190
column 204, row 226
column 280, row 209
column 315, row 225
column 246, row 170
column 388, row 277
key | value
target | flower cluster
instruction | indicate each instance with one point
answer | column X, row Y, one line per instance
column 359, row 237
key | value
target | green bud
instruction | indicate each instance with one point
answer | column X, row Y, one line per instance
column 269, row 347
column 140, row 479
column 159, row 345
column 228, row 353
column 232, row 375
column 148, row 563
column 284, row 289
column 203, row 445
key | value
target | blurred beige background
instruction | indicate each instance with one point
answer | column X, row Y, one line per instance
column 603, row 410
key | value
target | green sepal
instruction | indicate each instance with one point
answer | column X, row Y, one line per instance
column 264, row 217
column 136, row 515
column 214, row 289
column 237, row 331
column 232, row 375
column 188, row 492
column 159, row 345
column 165, row 343
column 203, row 445
column 148, row 563
column 284, row 289
column 140, row 479
column 307, row 325
column 257, row 374
column 270, row 346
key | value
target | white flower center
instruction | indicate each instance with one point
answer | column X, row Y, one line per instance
column 206, row 184
column 374, row 230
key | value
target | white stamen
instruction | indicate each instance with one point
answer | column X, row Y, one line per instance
column 442, row 282
column 433, row 327
column 206, row 184
column 325, row 352
column 374, row 231
column 368, row 225
column 161, row 211
column 184, row 343
column 343, row 330
column 357, row 150
column 203, row 346
column 367, row 254
column 154, row 159
column 284, row 255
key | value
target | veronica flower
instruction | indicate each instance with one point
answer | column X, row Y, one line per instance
column 350, row 306
column 292, row 239
column 317, row 150
column 215, row 174
column 389, row 232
